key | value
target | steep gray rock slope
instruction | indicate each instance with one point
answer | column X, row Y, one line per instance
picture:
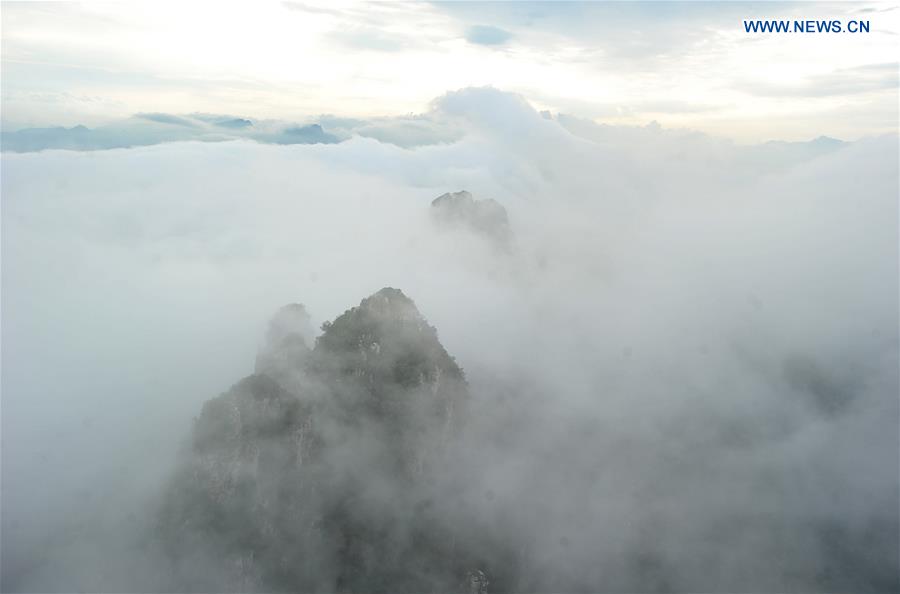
column 321, row 472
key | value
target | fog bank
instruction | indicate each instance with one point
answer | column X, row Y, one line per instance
column 683, row 371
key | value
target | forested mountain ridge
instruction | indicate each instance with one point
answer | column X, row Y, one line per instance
column 319, row 471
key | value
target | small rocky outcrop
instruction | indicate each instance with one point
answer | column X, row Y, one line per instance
column 484, row 217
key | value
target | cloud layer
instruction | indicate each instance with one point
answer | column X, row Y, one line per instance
column 683, row 371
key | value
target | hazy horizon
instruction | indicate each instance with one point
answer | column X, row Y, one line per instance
column 685, row 65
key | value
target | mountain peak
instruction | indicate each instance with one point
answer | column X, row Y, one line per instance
column 285, row 347
column 320, row 449
column 449, row 197
column 485, row 217
column 386, row 332
column 390, row 293
column 393, row 302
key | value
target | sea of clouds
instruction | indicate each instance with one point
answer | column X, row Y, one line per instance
column 683, row 370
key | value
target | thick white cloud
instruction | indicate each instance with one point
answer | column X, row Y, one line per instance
column 703, row 336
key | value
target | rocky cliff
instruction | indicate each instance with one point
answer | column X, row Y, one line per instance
column 320, row 472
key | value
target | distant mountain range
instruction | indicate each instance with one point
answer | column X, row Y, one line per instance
column 407, row 132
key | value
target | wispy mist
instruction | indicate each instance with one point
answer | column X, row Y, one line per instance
column 682, row 363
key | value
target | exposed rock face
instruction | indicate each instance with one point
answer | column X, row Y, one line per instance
column 388, row 368
column 477, row 582
column 242, row 489
column 317, row 473
column 283, row 356
column 461, row 210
